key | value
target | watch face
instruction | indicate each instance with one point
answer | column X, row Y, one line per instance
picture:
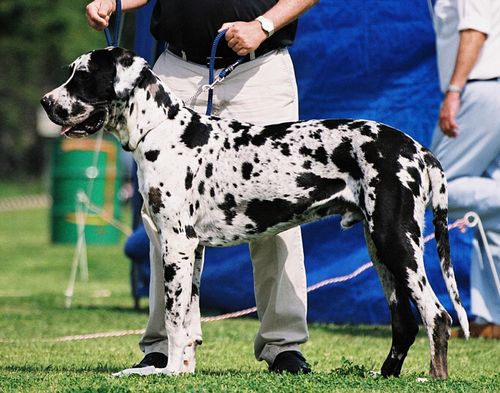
column 266, row 24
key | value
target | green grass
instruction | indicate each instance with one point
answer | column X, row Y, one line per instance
column 33, row 278
column 26, row 187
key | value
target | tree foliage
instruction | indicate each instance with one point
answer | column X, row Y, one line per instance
column 37, row 39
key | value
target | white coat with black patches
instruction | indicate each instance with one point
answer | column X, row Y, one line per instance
column 218, row 182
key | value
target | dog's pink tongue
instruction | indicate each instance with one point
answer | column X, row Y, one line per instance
column 65, row 129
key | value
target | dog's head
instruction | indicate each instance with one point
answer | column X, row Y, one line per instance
column 98, row 82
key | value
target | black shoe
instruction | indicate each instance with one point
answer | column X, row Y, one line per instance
column 155, row 359
column 291, row 362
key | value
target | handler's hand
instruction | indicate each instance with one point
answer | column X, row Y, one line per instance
column 98, row 13
column 448, row 113
column 244, row 37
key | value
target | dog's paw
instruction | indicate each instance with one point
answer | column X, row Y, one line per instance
column 189, row 359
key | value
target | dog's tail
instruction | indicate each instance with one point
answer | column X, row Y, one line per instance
column 440, row 211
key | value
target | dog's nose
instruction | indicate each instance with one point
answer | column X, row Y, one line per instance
column 46, row 102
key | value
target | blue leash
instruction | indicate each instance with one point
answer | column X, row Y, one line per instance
column 113, row 41
column 222, row 75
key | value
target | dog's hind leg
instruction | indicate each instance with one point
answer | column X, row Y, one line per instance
column 401, row 257
column 404, row 325
column 436, row 319
column 193, row 316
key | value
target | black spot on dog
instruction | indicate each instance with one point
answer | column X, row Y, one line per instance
column 209, row 170
column 246, row 170
column 152, row 155
column 169, row 302
column 228, row 208
column 415, row 184
column 307, row 164
column 77, row 108
column 201, row 187
column 343, row 158
column 356, row 124
column 305, row 151
column 126, row 60
column 190, row 232
column 169, row 272
column 196, row 132
column 154, row 197
column 322, row 188
column 173, row 110
column 320, row 155
column 335, row 124
column 189, row 179
column 276, row 131
column 266, row 214
column 61, row 112
column 285, row 149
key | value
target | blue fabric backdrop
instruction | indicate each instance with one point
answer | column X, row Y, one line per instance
column 359, row 59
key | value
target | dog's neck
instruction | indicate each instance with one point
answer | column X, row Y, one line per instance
column 148, row 105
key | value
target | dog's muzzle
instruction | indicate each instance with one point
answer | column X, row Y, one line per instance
column 92, row 124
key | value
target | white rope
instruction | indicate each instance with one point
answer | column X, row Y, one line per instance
column 460, row 223
column 24, row 202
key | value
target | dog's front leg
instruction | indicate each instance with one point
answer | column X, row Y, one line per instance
column 178, row 263
column 193, row 317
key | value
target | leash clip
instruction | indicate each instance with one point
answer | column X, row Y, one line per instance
column 210, row 86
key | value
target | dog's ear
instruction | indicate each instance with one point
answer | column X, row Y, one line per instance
column 129, row 69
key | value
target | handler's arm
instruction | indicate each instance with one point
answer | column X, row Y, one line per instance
column 98, row 12
column 245, row 37
column 471, row 42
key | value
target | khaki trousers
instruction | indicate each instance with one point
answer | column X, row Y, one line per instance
column 261, row 91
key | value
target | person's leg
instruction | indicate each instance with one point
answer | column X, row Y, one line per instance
column 485, row 295
column 154, row 341
column 280, row 287
column 263, row 92
column 155, row 336
column 471, row 163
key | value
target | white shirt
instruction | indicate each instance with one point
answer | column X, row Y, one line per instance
column 453, row 16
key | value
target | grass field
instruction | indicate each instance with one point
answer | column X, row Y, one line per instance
column 33, row 278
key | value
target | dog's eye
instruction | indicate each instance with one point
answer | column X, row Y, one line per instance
column 82, row 75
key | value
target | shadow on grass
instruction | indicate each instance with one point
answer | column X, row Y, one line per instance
column 100, row 368
column 112, row 308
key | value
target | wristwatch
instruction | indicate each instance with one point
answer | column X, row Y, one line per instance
column 266, row 24
column 454, row 89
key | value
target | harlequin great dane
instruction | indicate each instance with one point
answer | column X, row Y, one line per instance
column 208, row 181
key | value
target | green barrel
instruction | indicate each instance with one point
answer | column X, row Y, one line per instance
column 72, row 172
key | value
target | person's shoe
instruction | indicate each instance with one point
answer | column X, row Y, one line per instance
column 484, row 330
column 291, row 362
column 152, row 363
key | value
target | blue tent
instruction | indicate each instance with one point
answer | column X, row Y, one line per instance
column 357, row 59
